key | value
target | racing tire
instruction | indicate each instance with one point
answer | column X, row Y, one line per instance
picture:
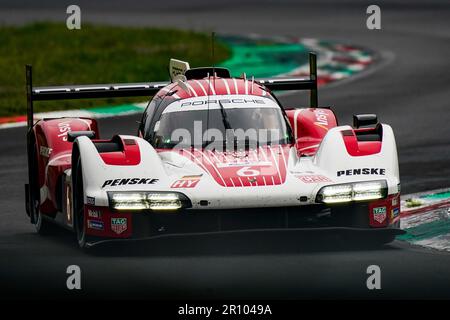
column 78, row 208
column 42, row 225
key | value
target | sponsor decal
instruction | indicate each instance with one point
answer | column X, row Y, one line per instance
column 90, row 200
column 362, row 171
column 45, row 151
column 187, row 182
column 240, row 163
column 394, row 201
column 119, row 225
column 94, row 213
column 313, row 178
column 227, row 170
column 64, row 128
column 379, row 214
column 223, row 101
column 395, row 212
column 321, row 119
column 238, row 159
column 96, row 225
column 129, row 181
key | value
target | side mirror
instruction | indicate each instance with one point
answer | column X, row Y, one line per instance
column 364, row 120
column 72, row 135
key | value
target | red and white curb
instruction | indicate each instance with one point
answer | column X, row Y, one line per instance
column 336, row 61
column 426, row 218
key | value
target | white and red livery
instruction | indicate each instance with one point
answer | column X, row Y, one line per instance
column 311, row 174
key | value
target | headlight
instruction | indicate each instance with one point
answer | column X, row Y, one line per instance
column 358, row 191
column 337, row 193
column 369, row 190
column 147, row 200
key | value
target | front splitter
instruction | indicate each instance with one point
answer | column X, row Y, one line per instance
column 369, row 233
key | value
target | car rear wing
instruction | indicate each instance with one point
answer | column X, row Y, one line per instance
column 147, row 89
column 286, row 84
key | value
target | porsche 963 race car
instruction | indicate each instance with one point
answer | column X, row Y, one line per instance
column 212, row 153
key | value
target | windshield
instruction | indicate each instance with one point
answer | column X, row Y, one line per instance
column 223, row 125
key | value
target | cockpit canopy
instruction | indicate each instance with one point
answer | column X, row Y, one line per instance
column 222, row 121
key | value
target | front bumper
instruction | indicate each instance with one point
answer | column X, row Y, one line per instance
column 147, row 224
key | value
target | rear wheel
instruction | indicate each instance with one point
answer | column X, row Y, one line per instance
column 43, row 225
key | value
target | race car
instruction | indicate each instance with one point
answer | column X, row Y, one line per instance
column 212, row 154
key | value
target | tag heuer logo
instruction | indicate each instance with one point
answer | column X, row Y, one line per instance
column 118, row 225
column 379, row 214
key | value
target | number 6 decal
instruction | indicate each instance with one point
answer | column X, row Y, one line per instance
column 247, row 172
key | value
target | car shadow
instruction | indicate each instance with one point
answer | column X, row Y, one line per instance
column 239, row 244
column 260, row 243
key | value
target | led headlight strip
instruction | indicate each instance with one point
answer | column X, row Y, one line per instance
column 357, row 191
column 147, row 200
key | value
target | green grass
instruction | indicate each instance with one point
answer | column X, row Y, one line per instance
column 94, row 54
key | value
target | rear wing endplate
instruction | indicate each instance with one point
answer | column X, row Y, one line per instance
column 286, row 84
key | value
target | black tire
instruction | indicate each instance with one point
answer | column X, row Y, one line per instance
column 78, row 207
column 42, row 224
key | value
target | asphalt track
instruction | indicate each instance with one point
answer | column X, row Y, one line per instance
column 408, row 88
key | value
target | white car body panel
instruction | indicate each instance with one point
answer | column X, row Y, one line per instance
column 169, row 166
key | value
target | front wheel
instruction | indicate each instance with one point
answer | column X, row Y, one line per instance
column 78, row 207
column 43, row 226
